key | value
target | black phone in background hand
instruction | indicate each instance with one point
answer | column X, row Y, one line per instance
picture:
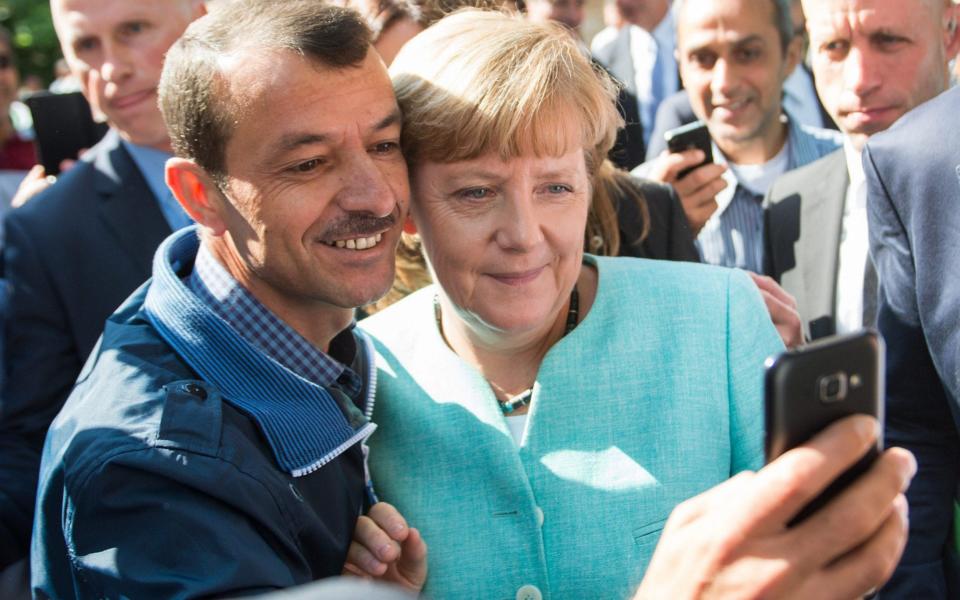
column 810, row 387
column 64, row 126
column 689, row 136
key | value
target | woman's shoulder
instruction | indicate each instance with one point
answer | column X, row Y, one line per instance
column 639, row 277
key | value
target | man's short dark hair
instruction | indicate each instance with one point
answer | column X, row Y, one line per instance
column 193, row 96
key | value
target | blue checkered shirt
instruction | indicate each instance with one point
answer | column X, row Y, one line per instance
column 737, row 239
column 233, row 303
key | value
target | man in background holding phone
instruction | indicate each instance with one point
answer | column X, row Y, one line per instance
column 734, row 57
column 75, row 251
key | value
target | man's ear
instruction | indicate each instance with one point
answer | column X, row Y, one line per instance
column 409, row 226
column 197, row 193
column 951, row 35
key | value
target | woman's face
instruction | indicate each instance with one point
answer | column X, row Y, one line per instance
column 504, row 238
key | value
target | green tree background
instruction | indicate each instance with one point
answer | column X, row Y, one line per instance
column 34, row 40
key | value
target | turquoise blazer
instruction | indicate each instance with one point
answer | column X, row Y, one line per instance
column 653, row 398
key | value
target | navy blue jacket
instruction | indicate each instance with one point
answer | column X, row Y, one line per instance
column 913, row 178
column 154, row 486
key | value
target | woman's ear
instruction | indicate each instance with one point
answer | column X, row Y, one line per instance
column 197, row 193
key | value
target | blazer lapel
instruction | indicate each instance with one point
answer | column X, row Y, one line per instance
column 127, row 207
column 822, row 218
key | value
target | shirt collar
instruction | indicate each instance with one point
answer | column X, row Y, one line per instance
column 854, row 162
column 272, row 336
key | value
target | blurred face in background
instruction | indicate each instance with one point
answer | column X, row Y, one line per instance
column 115, row 49
column 567, row 12
column 733, row 64
column 874, row 60
column 643, row 13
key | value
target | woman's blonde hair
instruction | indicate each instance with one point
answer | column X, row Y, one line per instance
column 485, row 81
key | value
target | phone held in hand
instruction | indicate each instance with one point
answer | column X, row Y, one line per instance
column 64, row 126
column 687, row 137
column 810, row 387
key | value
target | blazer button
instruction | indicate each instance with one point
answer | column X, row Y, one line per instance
column 538, row 513
column 529, row 592
column 195, row 390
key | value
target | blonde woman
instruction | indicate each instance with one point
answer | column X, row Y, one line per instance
column 540, row 409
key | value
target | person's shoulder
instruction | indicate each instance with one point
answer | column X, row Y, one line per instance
column 72, row 194
column 130, row 394
column 922, row 133
column 639, row 277
column 820, row 140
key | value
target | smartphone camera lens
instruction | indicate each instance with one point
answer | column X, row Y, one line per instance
column 833, row 387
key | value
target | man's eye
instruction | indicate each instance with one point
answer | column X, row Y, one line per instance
column 704, row 60
column 84, row 45
column 308, row 165
column 836, row 47
column 559, row 188
column 748, row 54
column 133, row 28
column 387, row 148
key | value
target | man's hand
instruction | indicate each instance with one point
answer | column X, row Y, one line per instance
column 732, row 541
column 385, row 548
column 782, row 308
column 697, row 189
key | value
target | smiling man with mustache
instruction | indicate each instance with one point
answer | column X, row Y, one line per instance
column 734, row 57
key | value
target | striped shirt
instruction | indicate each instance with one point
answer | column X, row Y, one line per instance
column 253, row 321
column 733, row 236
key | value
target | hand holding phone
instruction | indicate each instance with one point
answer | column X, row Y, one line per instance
column 810, row 387
column 687, row 137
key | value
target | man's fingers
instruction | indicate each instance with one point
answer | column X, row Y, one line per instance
column 803, row 472
column 768, row 284
column 412, row 565
column 868, row 566
column 856, row 513
column 372, row 537
column 389, row 519
column 361, row 562
column 668, row 165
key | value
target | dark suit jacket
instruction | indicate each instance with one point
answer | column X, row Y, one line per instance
column 803, row 220
column 72, row 255
column 668, row 237
column 913, row 178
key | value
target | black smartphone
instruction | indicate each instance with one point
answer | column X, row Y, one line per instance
column 808, row 388
column 64, row 126
column 689, row 136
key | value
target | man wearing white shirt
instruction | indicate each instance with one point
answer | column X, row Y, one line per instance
column 642, row 57
column 873, row 60
column 734, row 58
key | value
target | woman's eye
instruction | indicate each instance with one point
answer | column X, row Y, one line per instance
column 556, row 188
column 476, row 193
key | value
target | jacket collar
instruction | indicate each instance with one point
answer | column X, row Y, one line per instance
column 305, row 425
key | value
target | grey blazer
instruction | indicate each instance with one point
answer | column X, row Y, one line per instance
column 802, row 225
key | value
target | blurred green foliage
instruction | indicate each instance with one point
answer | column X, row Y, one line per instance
column 34, row 40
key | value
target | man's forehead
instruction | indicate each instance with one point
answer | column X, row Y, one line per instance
column 729, row 20
column 865, row 11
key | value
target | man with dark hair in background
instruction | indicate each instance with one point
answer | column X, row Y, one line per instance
column 734, row 58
